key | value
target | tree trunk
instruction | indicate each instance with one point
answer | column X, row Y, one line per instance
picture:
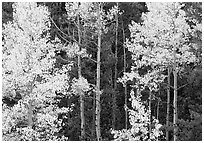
column 81, row 92
column 30, row 103
column 116, row 72
column 98, row 108
column 124, row 70
column 93, row 118
column 158, row 113
column 175, row 97
column 168, row 104
column 175, row 112
column 158, row 109
column 150, row 117
column 158, row 104
column 30, row 114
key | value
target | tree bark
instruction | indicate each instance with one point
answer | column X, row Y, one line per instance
column 30, row 104
column 175, row 97
column 93, row 118
column 158, row 109
column 115, row 75
column 30, row 114
column 81, row 92
column 150, row 117
column 125, row 85
column 168, row 104
column 98, row 107
column 175, row 112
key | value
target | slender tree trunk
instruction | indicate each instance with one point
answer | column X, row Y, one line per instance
column 168, row 104
column 30, row 114
column 150, row 117
column 93, row 119
column 124, row 69
column 175, row 118
column 158, row 111
column 116, row 72
column 30, row 102
column 158, row 103
column 98, row 108
column 73, row 34
column 81, row 92
column 175, row 97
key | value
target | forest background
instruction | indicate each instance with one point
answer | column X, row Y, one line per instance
column 99, row 97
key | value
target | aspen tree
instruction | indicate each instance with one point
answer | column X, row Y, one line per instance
column 98, row 92
column 125, row 85
column 115, row 70
column 168, row 104
column 80, row 76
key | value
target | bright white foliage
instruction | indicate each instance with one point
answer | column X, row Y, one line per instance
column 86, row 11
column 88, row 14
column 139, row 121
column 113, row 12
column 152, row 42
column 28, row 67
column 80, row 85
column 31, row 18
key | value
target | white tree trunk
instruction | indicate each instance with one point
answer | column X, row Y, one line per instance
column 98, row 107
column 30, row 104
column 81, row 92
column 116, row 72
column 175, row 97
column 124, row 70
column 168, row 104
column 150, row 103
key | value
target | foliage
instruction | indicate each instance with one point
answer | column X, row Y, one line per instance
column 80, row 85
column 140, row 122
column 152, row 41
column 46, row 123
column 191, row 130
column 7, row 12
column 28, row 60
